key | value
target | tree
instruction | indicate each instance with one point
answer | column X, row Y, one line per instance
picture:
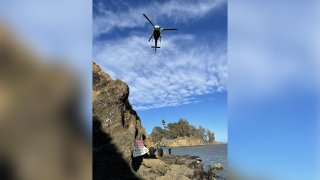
column 164, row 124
column 157, row 134
column 186, row 129
column 180, row 129
column 210, row 136
column 174, row 130
column 201, row 131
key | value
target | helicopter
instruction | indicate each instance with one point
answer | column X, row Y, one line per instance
column 156, row 33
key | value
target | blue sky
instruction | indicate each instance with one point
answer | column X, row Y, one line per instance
column 187, row 78
column 273, row 92
column 210, row 113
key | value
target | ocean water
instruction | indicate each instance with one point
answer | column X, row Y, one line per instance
column 209, row 154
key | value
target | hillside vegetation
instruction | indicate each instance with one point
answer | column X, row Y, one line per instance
column 182, row 128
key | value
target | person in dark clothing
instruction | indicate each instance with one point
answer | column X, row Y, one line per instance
column 160, row 151
column 152, row 151
column 136, row 163
column 169, row 150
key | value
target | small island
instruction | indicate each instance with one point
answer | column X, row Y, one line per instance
column 181, row 133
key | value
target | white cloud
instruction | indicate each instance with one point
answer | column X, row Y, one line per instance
column 174, row 10
column 271, row 55
column 176, row 75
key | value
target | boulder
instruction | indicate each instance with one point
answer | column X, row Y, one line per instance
column 41, row 132
column 217, row 166
column 171, row 175
column 153, row 162
column 183, row 170
column 153, row 166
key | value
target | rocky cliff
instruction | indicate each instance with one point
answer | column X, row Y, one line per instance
column 116, row 125
column 182, row 141
column 41, row 130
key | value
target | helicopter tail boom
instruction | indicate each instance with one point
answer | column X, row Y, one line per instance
column 155, row 48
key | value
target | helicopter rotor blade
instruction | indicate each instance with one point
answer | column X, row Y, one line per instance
column 151, row 37
column 164, row 29
column 148, row 20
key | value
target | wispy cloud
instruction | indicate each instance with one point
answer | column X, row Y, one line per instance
column 177, row 75
column 108, row 20
column 189, row 67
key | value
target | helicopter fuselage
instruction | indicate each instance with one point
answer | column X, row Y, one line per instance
column 156, row 32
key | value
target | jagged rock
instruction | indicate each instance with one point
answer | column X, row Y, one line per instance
column 174, row 167
column 40, row 132
column 153, row 166
column 189, row 161
column 195, row 164
column 171, row 175
column 183, row 170
column 117, row 119
column 217, row 166
column 210, row 174
column 153, row 162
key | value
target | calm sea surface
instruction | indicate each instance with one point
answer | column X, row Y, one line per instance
column 209, row 154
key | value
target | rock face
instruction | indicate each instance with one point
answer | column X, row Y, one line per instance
column 158, row 169
column 115, row 123
column 182, row 141
column 41, row 136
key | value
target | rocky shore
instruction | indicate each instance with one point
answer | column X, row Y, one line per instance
column 174, row 167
